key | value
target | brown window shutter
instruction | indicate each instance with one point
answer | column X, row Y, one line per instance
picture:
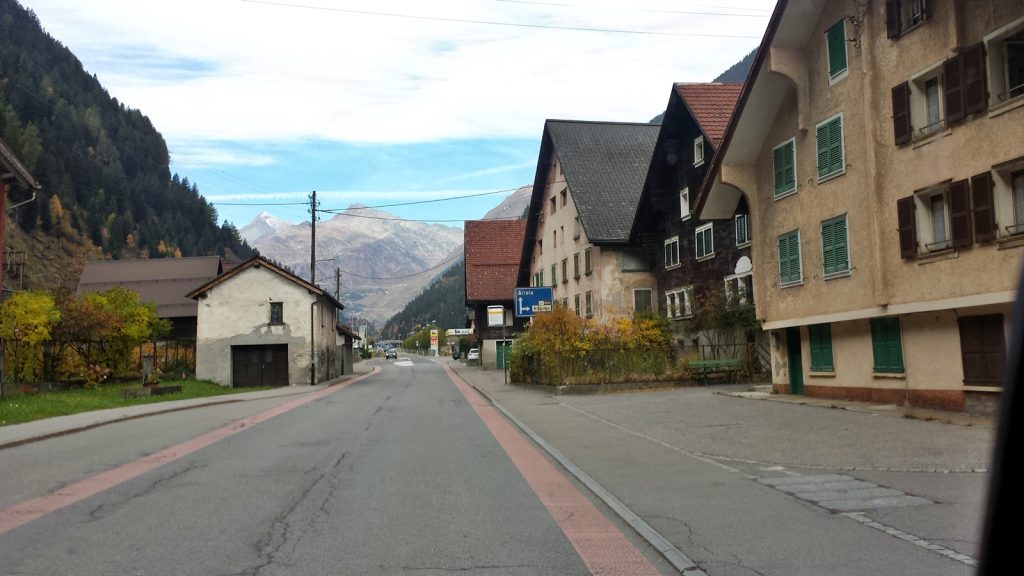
column 952, row 78
column 907, row 227
column 975, row 87
column 984, row 214
column 960, row 213
column 901, row 113
column 892, row 18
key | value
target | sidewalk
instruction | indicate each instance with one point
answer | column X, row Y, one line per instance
column 738, row 486
column 36, row 430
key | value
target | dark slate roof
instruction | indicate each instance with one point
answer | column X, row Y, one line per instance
column 163, row 281
column 493, row 249
column 605, row 164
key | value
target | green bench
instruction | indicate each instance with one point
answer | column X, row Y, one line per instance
column 701, row 369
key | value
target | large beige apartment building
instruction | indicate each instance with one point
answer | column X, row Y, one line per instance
column 880, row 147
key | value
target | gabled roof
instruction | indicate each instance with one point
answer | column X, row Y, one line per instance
column 12, row 165
column 711, row 105
column 342, row 329
column 493, row 250
column 259, row 261
column 163, row 281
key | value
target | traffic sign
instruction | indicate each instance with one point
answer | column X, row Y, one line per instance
column 530, row 301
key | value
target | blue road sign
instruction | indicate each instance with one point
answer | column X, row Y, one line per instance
column 529, row 301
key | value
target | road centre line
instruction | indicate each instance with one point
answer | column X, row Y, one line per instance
column 35, row 508
column 602, row 547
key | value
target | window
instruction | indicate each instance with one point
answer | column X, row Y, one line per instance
column 789, row 259
column 679, row 302
column 540, row 247
column 1017, row 189
column 902, row 15
column 277, row 312
column 885, row 344
column 742, row 230
column 552, row 204
column 576, row 304
column 672, row 252
column 1005, row 50
column 589, row 299
column 998, row 201
column 642, row 300
column 565, row 302
column 576, row 265
column 918, row 106
column 565, row 270
column 698, row 151
column 561, row 232
column 554, row 275
column 740, row 288
column 938, row 218
column 565, row 196
column 704, row 242
column 586, row 262
column 684, row 203
column 554, row 238
column 830, row 147
column 540, row 277
column 963, row 84
column 835, row 250
column 784, row 168
column 576, row 228
column 835, row 40
column 820, row 340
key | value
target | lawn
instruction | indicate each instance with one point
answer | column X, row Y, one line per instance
column 18, row 408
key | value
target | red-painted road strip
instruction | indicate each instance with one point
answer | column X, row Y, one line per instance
column 601, row 546
column 14, row 516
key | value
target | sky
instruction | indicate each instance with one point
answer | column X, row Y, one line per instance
column 390, row 101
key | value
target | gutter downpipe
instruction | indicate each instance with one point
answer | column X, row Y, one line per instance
column 312, row 344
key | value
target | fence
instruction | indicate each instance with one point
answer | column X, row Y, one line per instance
column 59, row 360
column 606, row 366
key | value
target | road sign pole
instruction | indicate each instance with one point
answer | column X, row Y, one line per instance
column 504, row 357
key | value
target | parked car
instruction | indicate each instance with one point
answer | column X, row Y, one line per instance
column 473, row 354
column 391, row 353
column 456, row 354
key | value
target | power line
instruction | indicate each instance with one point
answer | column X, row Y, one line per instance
column 448, row 261
column 764, row 13
column 399, row 219
column 410, row 203
column 261, row 204
column 492, row 22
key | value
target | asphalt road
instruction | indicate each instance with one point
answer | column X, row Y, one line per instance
column 394, row 474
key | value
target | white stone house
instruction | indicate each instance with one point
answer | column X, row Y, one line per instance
column 260, row 325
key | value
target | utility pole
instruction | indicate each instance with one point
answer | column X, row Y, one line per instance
column 313, row 205
column 337, row 284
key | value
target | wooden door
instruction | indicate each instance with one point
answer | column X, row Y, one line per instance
column 983, row 348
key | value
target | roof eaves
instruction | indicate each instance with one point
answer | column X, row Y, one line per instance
column 748, row 85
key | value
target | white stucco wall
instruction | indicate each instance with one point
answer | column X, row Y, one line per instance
column 237, row 312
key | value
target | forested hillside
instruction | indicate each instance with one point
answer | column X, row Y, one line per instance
column 103, row 167
column 442, row 302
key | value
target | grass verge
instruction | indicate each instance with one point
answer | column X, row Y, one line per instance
column 20, row 408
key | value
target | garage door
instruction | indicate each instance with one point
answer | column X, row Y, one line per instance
column 265, row 365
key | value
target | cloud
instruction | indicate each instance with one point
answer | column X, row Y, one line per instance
column 325, row 196
column 223, row 71
column 209, row 156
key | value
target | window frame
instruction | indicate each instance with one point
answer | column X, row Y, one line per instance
column 698, row 150
column 684, row 203
column 746, row 230
column 998, row 69
column 565, row 270
column 778, row 193
column 650, row 299
column 554, row 275
column 588, row 266
column 836, row 272
column 709, row 229
column 576, row 266
column 842, row 148
column 798, row 279
column 674, row 240
column 276, row 314
column 684, row 295
column 899, row 17
column 589, row 303
column 576, row 304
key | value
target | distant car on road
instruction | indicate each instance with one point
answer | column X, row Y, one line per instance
column 456, row 354
column 473, row 354
column 391, row 353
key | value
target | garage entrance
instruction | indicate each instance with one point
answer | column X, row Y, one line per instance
column 265, row 365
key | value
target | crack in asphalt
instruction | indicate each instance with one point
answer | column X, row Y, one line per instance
column 105, row 509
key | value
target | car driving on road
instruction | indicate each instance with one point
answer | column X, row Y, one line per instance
column 391, row 353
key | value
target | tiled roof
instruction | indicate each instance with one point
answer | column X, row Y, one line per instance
column 163, row 281
column 605, row 164
column 711, row 105
column 493, row 249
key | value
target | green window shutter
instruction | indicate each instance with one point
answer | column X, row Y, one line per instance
column 886, row 346
column 789, row 258
column 830, row 147
column 821, row 347
column 784, row 169
column 835, row 253
column 822, row 143
column 836, row 40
